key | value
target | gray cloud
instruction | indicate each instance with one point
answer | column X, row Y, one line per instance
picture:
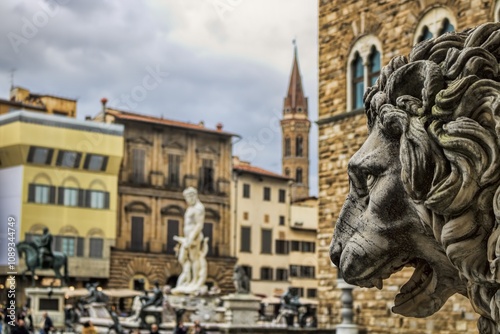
column 232, row 69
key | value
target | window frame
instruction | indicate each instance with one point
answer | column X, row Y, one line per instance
column 33, row 152
column 87, row 164
column 299, row 146
column 62, row 160
column 244, row 249
column 93, row 253
column 433, row 19
column 269, row 249
column 246, row 190
column 266, row 274
column 266, row 194
column 174, row 170
column 138, row 167
column 362, row 47
column 288, row 147
column 281, row 196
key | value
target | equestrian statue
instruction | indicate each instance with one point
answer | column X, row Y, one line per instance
column 39, row 255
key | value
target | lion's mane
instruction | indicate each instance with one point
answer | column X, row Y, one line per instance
column 443, row 105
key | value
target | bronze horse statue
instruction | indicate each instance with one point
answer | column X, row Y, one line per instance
column 30, row 250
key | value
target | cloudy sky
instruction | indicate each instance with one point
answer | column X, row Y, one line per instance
column 215, row 61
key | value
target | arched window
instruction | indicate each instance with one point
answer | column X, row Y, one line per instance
column 374, row 66
column 426, row 34
column 447, row 27
column 287, row 171
column 298, row 175
column 434, row 23
column 288, row 147
column 358, row 84
column 363, row 68
column 298, row 146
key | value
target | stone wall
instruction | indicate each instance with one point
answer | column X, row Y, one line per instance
column 341, row 133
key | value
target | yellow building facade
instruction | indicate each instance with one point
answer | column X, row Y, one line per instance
column 273, row 238
column 62, row 173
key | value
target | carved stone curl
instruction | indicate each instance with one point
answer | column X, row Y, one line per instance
column 425, row 185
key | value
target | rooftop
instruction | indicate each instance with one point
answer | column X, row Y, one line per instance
column 130, row 116
column 243, row 166
column 60, row 122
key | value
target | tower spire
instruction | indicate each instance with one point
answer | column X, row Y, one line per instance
column 295, row 96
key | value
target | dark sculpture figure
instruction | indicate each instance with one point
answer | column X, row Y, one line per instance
column 39, row 255
column 116, row 326
column 241, row 280
column 155, row 300
column 44, row 245
column 95, row 295
column 425, row 185
column 289, row 307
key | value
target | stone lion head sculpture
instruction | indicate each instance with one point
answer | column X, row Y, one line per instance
column 424, row 187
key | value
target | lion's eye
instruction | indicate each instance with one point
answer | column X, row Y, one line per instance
column 370, row 181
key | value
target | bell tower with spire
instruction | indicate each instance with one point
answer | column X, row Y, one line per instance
column 295, row 127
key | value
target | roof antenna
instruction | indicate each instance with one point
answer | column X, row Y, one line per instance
column 12, row 71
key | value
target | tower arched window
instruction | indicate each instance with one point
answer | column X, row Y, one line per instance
column 298, row 175
column 288, row 147
column 287, row 171
column 363, row 69
column 299, row 146
column 435, row 23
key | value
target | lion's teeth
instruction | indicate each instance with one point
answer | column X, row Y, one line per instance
column 378, row 283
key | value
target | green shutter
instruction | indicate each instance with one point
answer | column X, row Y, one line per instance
column 87, row 198
column 31, row 153
column 104, row 164
column 86, row 161
column 60, row 195
column 106, row 200
column 31, row 192
column 79, row 246
column 81, row 198
column 49, row 156
column 60, row 155
column 77, row 160
column 52, row 195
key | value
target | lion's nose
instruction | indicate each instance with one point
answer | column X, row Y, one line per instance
column 335, row 251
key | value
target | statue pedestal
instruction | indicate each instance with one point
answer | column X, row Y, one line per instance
column 241, row 309
column 47, row 300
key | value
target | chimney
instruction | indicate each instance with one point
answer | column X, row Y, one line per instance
column 202, row 124
column 219, row 126
column 104, row 101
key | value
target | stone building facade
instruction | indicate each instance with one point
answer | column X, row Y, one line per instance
column 357, row 38
column 161, row 158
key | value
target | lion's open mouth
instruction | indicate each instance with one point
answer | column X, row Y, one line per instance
column 419, row 288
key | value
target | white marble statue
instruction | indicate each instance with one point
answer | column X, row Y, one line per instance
column 193, row 247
